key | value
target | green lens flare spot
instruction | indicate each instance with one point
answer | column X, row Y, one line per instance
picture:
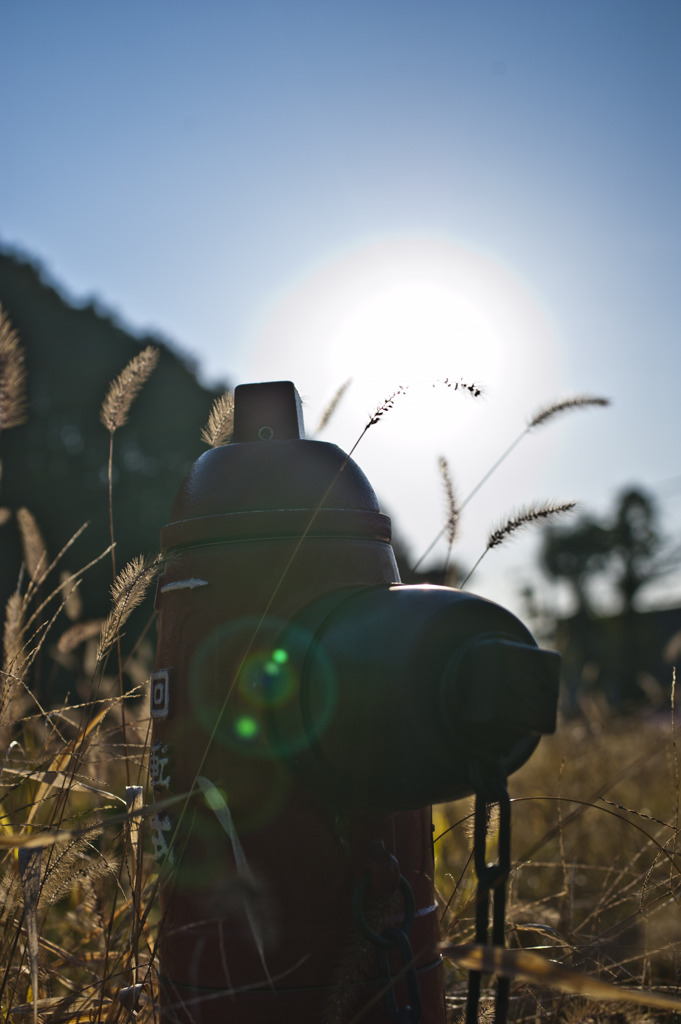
column 259, row 661
column 264, row 682
column 246, row 727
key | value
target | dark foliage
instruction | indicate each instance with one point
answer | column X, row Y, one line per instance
column 56, row 463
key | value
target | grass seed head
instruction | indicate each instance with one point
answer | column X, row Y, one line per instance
column 473, row 389
column 386, row 406
column 564, row 405
column 12, row 376
column 332, row 406
column 125, row 388
column 220, row 426
column 527, row 517
column 15, row 612
column 35, row 552
column 127, row 592
column 452, row 507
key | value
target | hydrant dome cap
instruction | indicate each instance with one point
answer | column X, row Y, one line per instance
column 271, row 482
column 292, row 474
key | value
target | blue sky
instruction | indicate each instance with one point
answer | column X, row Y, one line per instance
column 389, row 190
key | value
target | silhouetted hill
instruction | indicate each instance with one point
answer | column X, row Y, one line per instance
column 56, row 463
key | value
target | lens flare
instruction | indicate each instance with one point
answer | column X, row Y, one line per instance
column 266, row 682
column 246, row 727
column 248, row 691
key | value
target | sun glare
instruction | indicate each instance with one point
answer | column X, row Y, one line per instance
column 416, row 330
column 404, row 311
column 413, row 312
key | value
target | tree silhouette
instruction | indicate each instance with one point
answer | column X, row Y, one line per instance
column 576, row 555
column 636, row 543
column 626, row 550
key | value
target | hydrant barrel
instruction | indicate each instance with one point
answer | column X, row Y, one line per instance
column 286, row 829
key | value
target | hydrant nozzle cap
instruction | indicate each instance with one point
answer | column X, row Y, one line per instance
column 268, row 412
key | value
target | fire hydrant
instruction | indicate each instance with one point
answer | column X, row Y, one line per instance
column 307, row 711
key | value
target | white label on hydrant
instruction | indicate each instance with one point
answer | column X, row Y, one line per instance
column 158, row 765
column 160, row 693
column 160, row 825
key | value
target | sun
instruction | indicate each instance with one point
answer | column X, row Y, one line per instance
column 412, row 313
column 417, row 330
column 402, row 312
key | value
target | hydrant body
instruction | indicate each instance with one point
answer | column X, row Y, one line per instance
column 265, row 830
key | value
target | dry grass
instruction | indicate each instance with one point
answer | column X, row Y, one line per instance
column 12, row 376
column 595, row 822
column 595, row 884
column 596, row 881
column 220, row 426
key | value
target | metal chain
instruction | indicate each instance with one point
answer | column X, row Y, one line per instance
column 387, row 940
column 490, row 789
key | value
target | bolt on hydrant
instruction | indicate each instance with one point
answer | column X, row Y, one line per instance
column 308, row 709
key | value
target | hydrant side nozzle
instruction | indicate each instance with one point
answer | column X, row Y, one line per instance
column 502, row 689
column 424, row 680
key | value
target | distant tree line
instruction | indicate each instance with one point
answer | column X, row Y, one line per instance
column 55, row 464
column 621, row 654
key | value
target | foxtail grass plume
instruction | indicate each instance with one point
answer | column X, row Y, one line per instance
column 125, row 388
column 15, row 649
column 473, row 389
column 332, row 406
column 33, row 545
column 386, row 406
column 114, row 413
column 452, row 509
column 375, row 417
column 5, row 513
column 220, row 426
column 127, row 592
column 12, row 376
column 15, row 625
column 67, row 583
column 73, row 601
column 79, row 634
column 74, row 862
column 548, row 412
column 528, row 516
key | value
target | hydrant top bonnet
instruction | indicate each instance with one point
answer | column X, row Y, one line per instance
column 270, row 481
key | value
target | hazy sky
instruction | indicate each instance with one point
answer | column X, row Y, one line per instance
column 389, row 190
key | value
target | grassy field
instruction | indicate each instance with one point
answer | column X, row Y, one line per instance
column 596, row 852
column 595, row 882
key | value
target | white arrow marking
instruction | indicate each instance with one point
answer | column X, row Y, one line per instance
column 191, row 584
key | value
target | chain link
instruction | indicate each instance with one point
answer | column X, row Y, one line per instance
column 490, row 789
column 386, row 941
